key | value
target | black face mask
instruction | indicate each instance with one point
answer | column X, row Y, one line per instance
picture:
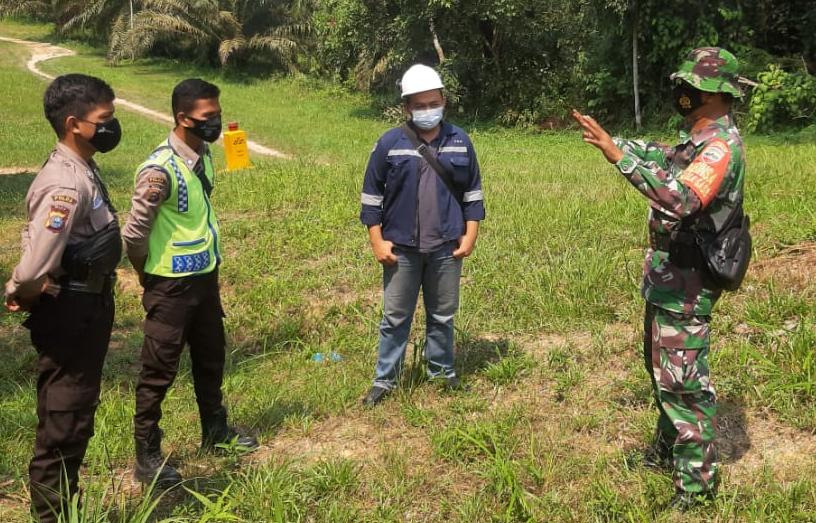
column 686, row 98
column 208, row 130
column 107, row 135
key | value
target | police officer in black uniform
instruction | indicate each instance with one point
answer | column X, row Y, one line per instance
column 71, row 246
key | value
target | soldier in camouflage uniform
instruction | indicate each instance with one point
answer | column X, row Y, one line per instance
column 698, row 181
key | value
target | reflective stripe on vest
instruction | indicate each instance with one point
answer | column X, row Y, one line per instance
column 184, row 237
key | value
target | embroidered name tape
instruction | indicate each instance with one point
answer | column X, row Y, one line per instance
column 64, row 198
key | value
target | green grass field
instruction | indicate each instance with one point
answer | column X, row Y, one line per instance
column 548, row 335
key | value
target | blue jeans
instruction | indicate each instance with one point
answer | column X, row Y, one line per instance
column 437, row 273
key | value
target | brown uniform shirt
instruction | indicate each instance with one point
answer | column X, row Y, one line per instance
column 152, row 189
column 66, row 204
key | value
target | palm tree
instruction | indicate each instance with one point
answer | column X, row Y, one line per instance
column 229, row 30
column 96, row 14
column 38, row 8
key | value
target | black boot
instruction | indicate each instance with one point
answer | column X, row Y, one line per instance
column 687, row 501
column 658, row 455
column 215, row 431
column 150, row 464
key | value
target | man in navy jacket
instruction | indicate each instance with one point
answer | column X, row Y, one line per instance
column 420, row 231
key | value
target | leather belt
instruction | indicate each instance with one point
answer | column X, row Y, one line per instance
column 151, row 279
column 95, row 284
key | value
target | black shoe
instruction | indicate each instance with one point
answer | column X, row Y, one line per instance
column 151, row 465
column 686, row 501
column 217, row 435
column 453, row 383
column 375, row 396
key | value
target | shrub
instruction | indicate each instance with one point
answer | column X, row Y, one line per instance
column 782, row 99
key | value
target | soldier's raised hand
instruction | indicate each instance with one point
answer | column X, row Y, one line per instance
column 595, row 135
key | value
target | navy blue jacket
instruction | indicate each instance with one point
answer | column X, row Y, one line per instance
column 391, row 184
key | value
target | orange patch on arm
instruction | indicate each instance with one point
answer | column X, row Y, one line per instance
column 706, row 173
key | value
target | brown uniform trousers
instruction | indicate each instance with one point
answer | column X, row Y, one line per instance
column 71, row 333
column 180, row 311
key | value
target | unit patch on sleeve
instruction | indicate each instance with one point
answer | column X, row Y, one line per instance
column 153, row 194
column 57, row 218
column 706, row 173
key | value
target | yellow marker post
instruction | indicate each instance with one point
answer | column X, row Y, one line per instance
column 235, row 148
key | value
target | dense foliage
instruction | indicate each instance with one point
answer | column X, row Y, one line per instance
column 524, row 62
column 530, row 61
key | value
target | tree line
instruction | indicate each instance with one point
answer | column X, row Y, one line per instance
column 521, row 63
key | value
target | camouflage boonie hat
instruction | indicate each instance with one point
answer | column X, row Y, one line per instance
column 711, row 69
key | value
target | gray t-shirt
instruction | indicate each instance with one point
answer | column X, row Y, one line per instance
column 429, row 224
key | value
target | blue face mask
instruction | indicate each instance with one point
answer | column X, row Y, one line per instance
column 427, row 119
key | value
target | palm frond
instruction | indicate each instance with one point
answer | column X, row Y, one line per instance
column 148, row 28
column 276, row 44
column 238, row 29
column 293, row 31
column 162, row 23
column 24, row 7
column 229, row 47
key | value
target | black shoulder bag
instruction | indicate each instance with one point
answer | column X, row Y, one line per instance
column 96, row 256
column 444, row 174
column 99, row 254
column 727, row 252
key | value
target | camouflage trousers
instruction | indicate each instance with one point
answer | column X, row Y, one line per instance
column 675, row 349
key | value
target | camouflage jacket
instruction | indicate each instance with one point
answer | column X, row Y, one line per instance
column 699, row 179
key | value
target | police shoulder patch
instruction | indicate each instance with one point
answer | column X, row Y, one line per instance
column 57, row 218
column 64, row 198
column 153, row 194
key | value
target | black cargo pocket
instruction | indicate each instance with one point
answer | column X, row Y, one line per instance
column 165, row 317
column 70, row 410
column 66, row 397
column 163, row 333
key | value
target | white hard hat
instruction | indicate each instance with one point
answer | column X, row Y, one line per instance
column 418, row 79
